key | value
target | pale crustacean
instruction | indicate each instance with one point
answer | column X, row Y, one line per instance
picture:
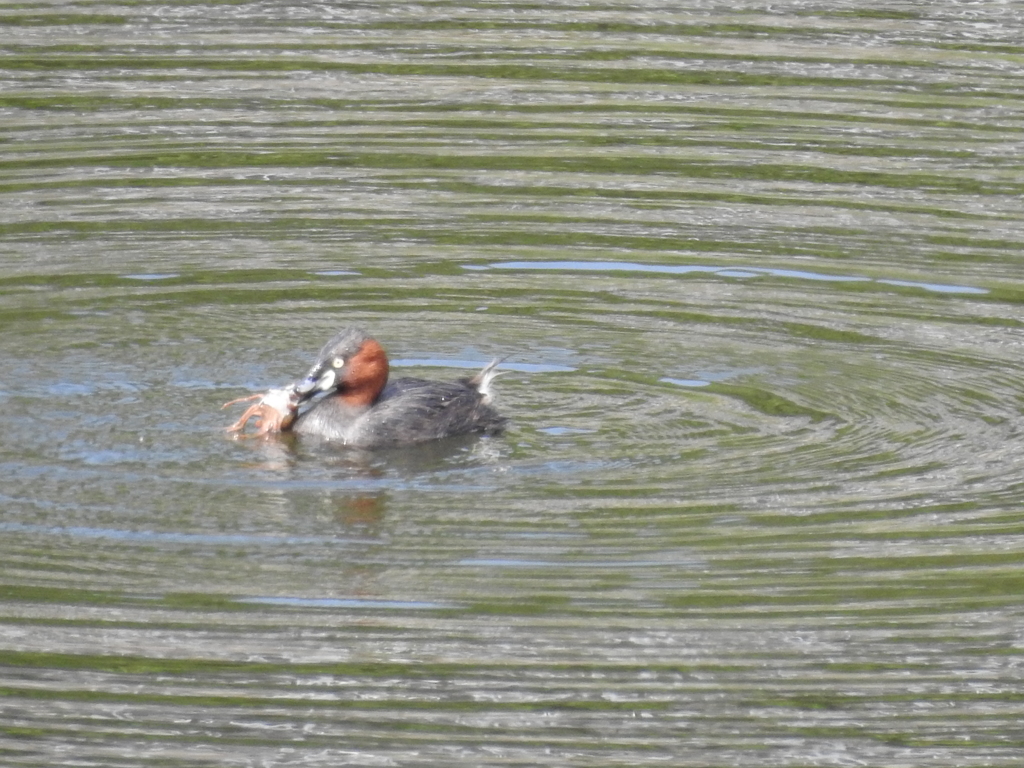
column 275, row 412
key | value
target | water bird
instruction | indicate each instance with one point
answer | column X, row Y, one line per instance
column 346, row 398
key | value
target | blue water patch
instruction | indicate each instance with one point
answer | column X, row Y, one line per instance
column 475, row 365
column 174, row 537
column 69, row 388
column 79, row 389
column 504, row 562
column 735, row 273
column 337, row 602
column 741, row 273
column 675, row 560
column 707, row 378
column 936, row 287
column 686, row 382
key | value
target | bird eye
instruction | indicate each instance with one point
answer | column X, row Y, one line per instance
column 338, row 362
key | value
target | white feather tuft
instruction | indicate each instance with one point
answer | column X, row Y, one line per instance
column 482, row 381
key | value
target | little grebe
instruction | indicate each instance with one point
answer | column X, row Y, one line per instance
column 361, row 408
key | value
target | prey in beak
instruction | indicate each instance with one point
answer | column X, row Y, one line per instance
column 351, row 365
column 275, row 412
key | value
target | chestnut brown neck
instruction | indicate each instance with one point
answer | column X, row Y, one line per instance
column 367, row 374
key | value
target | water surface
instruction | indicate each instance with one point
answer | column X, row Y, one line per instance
column 755, row 271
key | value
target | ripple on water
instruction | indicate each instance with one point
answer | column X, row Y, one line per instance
column 755, row 270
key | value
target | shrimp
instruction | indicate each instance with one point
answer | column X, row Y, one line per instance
column 275, row 412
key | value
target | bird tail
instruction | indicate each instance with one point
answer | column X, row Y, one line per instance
column 482, row 381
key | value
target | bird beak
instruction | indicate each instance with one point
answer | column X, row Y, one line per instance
column 316, row 381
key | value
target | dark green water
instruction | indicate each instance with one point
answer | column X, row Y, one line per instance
column 756, row 270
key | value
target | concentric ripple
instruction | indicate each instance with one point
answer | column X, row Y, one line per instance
column 798, row 387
